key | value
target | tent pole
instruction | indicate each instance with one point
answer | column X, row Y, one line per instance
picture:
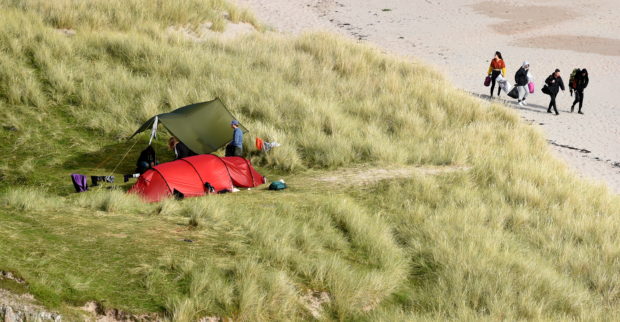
column 154, row 129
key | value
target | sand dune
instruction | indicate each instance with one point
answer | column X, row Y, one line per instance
column 459, row 37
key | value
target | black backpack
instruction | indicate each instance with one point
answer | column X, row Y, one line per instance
column 572, row 81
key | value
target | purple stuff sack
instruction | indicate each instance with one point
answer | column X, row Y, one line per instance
column 79, row 182
column 487, row 81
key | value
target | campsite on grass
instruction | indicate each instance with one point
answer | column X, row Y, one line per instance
column 203, row 128
column 370, row 187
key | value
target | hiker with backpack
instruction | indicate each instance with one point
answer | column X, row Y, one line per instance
column 578, row 82
column 553, row 83
column 521, row 81
column 496, row 68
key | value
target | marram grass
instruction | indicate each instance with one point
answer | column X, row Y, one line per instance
column 512, row 236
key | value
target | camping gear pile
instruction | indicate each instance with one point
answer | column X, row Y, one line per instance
column 80, row 183
column 265, row 146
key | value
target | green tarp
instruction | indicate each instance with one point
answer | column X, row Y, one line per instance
column 203, row 127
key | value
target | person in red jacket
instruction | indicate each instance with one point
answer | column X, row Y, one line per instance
column 496, row 68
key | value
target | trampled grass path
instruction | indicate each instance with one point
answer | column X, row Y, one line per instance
column 369, row 175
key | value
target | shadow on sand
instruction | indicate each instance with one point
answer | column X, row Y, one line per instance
column 512, row 103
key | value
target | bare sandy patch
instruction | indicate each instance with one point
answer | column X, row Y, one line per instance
column 10, row 276
column 523, row 18
column 583, row 44
column 23, row 307
column 203, row 31
column 99, row 314
column 67, row 32
column 313, row 301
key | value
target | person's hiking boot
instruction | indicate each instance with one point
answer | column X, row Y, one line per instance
column 548, row 111
column 556, row 113
column 572, row 108
column 580, row 112
column 520, row 103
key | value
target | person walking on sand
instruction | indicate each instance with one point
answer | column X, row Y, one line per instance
column 581, row 82
column 496, row 68
column 554, row 83
column 235, row 147
column 521, row 81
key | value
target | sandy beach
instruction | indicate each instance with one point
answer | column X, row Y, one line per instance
column 459, row 38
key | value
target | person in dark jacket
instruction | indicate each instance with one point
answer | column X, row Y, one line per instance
column 146, row 160
column 581, row 80
column 180, row 149
column 554, row 83
column 521, row 81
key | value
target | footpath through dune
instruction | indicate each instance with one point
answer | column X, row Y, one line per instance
column 365, row 175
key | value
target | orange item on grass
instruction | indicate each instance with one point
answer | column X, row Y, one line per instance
column 259, row 144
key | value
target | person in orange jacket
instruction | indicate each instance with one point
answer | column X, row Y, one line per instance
column 497, row 67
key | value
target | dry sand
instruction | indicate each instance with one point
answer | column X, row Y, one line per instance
column 459, row 37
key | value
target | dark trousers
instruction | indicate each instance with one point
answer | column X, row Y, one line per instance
column 233, row 151
column 578, row 99
column 494, row 75
column 552, row 104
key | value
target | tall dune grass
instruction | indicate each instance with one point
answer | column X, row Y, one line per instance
column 357, row 105
column 130, row 14
column 514, row 237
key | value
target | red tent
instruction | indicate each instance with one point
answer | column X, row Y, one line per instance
column 189, row 176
